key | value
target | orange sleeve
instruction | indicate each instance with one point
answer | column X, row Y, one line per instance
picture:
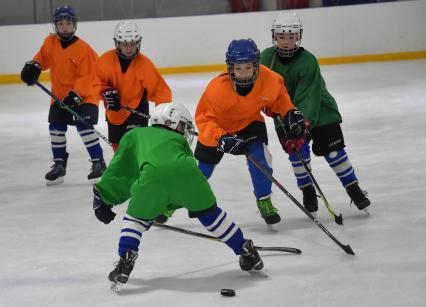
column 207, row 118
column 43, row 56
column 156, row 86
column 86, row 73
column 282, row 102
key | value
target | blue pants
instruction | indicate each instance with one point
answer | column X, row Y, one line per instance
column 261, row 184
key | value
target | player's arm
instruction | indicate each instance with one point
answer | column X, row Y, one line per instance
column 308, row 92
column 122, row 171
column 206, row 120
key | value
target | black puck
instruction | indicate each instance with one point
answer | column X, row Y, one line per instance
column 227, row 292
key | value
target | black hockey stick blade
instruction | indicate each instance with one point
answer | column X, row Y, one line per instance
column 291, row 250
column 339, row 219
column 348, row 250
column 284, row 249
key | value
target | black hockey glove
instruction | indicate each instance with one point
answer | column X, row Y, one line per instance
column 231, row 144
column 112, row 99
column 293, row 124
column 30, row 72
column 103, row 212
column 72, row 100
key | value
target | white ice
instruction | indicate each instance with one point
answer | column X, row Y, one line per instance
column 55, row 253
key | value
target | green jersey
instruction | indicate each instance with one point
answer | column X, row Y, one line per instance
column 156, row 169
column 306, row 86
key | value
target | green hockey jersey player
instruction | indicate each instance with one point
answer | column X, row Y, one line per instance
column 308, row 92
column 154, row 167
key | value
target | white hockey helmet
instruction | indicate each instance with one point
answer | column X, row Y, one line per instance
column 127, row 32
column 287, row 23
column 174, row 116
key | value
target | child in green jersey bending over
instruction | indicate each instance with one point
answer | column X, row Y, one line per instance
column 155, row 167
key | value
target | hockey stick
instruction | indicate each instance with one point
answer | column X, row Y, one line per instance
column 291, row 250
column 133, row 111
column 75, row 114
column 337, row 218
column 346, row 248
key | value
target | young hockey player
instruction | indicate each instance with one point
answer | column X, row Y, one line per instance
column 155, row 168
column 229, row 120
column 72, row 66
column 128, row 78
column 308, row 92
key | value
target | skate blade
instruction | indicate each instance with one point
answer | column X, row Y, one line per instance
column 116, row 287
column 366, row 210
column 272, row 227
column 258, row 273
column 58, row 180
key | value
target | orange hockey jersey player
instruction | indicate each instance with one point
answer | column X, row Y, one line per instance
column 229, row 120
column 72, row 64
column 128, row 78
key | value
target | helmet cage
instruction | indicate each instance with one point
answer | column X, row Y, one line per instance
column 239, row 52
column 246, row 82
column 287, row 23
column 64, row 13
column 127, row 32
column 174, row 116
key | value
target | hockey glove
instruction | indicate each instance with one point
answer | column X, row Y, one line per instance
column 30, row 72
column 72, row 100
column 112, row 99
column 290, row 146
column 294, row 125
column 232, row 144
column 103, row 212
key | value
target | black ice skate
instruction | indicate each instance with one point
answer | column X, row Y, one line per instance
column 358, row 196
column 250, row 261
column 57, row 171
column 97, row 169
column 269, row 213
column 310, row 200
column 120, row 275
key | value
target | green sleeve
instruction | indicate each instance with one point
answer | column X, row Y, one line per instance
column 266, row 57
column 122, row 172
column 307, row 96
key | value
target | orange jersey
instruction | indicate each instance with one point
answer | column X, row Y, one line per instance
column 141, row 76
column 221, row 110
column 71, row 68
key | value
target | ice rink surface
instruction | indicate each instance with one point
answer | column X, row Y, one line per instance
column 55, row 253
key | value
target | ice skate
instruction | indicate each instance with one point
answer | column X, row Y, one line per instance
column 358, row 197
column 96, row 170
column 251, row 261
column 120, row 275
column 310, row 200
column 57, row 171
column 269, row 213
column 163, row 218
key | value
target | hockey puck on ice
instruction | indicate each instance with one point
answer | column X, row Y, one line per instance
column 227, row 292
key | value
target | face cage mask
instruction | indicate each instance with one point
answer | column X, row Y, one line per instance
column 138, row 43
column 189, row 132
column 68, row 36
column 243, row 82
column 287, row 52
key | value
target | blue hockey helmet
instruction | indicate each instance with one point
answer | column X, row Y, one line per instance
column 243, row 51
column 64, row 13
